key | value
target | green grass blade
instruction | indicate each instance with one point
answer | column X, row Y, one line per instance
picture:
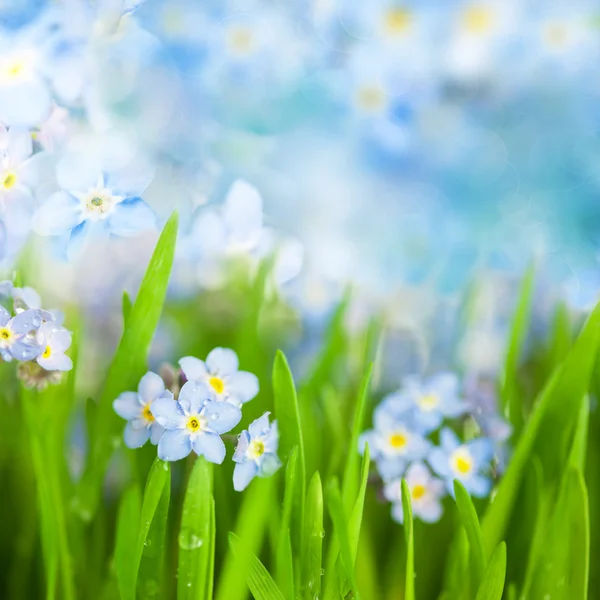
column 288, row 418
column 260, row 582
column 285, row 567
column 492, row 585
column 470, row 522
column 128, row 525
column 409, row 586
column 357, row 512
column 156, row 492
column 127, row 305
column 313, row 538
column 351, row 474
column 196, row 534
column 286, row 517
column 128, row 365
column 509, row 387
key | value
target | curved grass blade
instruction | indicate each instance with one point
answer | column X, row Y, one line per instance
column 313, row 538
column 409, row 586
column 196, row 535
column 128, row 525
column 260, row 582
column 127, row 305
column 468, row 516
column 128, row 365
column 283, row 565
column 492, row 585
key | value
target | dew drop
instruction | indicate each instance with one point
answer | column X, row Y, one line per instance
column 322, row 533
column 189, row 540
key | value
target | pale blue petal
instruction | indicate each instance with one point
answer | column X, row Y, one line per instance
column 222, row 416
column 367, row 438
column 174, row 445
column 428, row 421
column 269, row 465
column 26, row 350
column 136, row 437
column 193, row 368
column 156, row 432
column 58, row 215
column 132, row 180
column 429, row 511
column 243, row 474
column 482, row 450
column 77, row 238
column 130, row 217
column 57, row 361
column 439, row 462
column 448, row 440
column 26, row 321
column 4, row 316
column 127, row 406
column 240, row 450
column 193, row 395
column 151, row 386
column 478, row 486
column 168, row 413
column 259, row 426
column 222, row 361
column 391, row 468
column 78, row 173
column 243, row 386
column 20, row 145
column 210, row 446
column 271, row 438
column 398, row 512
column 25, row 105
column 243, row 211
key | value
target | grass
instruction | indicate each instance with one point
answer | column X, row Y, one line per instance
column 133, row 526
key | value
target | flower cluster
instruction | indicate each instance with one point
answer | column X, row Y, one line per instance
column 33, row 336
column 401, row 446
column 208, row 405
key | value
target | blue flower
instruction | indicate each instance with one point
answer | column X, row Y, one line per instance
column 432, row 400
column 135, row 407
column 256, row 452
column 55, row 341
column 465, row 462
column 94, row 202
column 425, row 490
column 195, row 422
column 17, row 339
column 395, row 441
column 220, row 373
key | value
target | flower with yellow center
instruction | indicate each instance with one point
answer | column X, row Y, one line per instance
column 256, row 449
column 371, row 98
column 6, row 335
column 240, row 40
column 428, row 402
column 217, row 384
column 461, row 461
column 556, row 35
column 147, row 413
column 196, row 423
column 418, row 491
column 8, row 179
column 398, row 440
column 397, row 21
column 477, row 19
column 17, row 68
column 47, row 352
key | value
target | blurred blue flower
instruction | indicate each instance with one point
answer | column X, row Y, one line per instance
column 425, row 490
column 194, row 422
column 220, row 373
column 395, row 441
column 135, row 407
column 465, row 462
column 256, row 452
column 17, row 339
column 94, row 203
column 55, row 341
column 432, row 400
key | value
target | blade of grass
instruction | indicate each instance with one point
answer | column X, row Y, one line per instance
column 195, row 534
column 283, row 566
column 409, row 586
column 128, row 365
column 260, row 582
column 128, row 525
column 313, row 538
column 492, row 585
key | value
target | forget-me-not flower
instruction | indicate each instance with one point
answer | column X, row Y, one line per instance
column 135, row 407
column 16, row 339
column 466, row 462
column 432, row 400
column 194, row 422
column 220, row 373
column 55, row 341
column 94, row 202
column 395, row 440
column 256, row 452
column 425, row 490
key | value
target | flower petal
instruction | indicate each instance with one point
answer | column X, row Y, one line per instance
column 193, row 368
column 269, row 465
column 168, row 413
column 151, row 386
column 243, row 386
column 26, row 321
column 222, row 416
column 209, row 445
column 448, row 440
column 20, row 145
column 57, row 361
column 438, row 460
column 222, row 361
column 136, row 437
column 58, row 215
column 25, row 350
column 130, row 217
column 243, row 474
column 127, row 405
column 259, row 426
column 193, row 395
column 240, row 450
column 174, row 445
column 429, row 511
column 4, row 316
column 156, row 432
column 243, row 211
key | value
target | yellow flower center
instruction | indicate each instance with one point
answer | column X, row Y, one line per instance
column 397, row 21
column 428, row 403
column 371, row 98
column 556, row 35
column 477, row 19
column 240, row 40
column 418, row 491
column 398, row 440
column 5, row 334
column 196, row 423
column 47, row 352
column 462, row 462
column 9, row 179
column 217, row 384
column 256, row 448
column 147, row 413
